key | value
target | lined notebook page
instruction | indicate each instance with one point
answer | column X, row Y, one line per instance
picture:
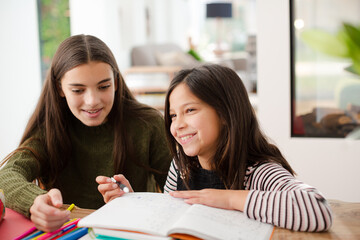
column 161, row 214
column 153, row 213
column 215, row 223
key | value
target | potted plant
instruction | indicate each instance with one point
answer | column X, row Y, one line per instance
column 345, row 43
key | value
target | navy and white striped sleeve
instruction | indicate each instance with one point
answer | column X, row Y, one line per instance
column 171, row 181
column 278, row 198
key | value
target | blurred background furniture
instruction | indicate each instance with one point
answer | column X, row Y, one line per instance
column 167, row 54
column 154, row 65
column 150, row 83
column 347, row 92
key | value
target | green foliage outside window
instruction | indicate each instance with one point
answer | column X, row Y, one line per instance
column 54, row 27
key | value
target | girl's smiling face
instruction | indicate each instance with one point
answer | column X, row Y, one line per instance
column 89, row 90
column 195, row 125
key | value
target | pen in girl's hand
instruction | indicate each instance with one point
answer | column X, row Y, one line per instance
column 121, row 186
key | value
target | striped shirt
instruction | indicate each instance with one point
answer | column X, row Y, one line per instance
column 278, row 198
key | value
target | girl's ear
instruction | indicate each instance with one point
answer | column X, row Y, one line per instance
column 59, row 89
column 222, row 119
column 223, row 122
column 116, row 80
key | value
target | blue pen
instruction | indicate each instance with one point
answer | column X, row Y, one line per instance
column 76, row 234
column 33, row 235
column 63, row 231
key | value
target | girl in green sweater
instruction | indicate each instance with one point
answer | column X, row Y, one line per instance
column 86, row 124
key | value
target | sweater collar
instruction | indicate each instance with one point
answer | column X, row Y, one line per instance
column 90, row 129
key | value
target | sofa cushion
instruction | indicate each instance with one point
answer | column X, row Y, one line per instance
column 175, row 58
column 145, row 55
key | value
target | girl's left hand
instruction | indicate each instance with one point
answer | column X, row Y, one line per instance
column 226, row 199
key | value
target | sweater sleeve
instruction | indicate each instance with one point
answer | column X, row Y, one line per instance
column 171, row 181
column 276, row 197
column 16, row 179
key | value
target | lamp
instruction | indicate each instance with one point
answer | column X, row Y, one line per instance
column 221, row 10
column 218, row 11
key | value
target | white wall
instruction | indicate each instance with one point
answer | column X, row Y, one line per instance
column 102, row 19
column 122, row 24
column 20, row 76
column 331, row 165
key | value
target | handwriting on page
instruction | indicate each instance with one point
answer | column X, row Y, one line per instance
column 157, row 210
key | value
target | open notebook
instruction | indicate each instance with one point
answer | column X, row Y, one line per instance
column 161, row 215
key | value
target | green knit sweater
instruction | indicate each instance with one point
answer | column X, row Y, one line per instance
column 92, row 156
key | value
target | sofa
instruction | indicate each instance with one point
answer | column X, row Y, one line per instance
column 167, row 54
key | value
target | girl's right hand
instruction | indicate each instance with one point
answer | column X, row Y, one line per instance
column 110, row 190
column 45, row 212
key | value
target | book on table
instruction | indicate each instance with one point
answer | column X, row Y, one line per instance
column 160, row 215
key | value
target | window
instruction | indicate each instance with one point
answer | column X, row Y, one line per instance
column 54, row 27
column 325, row 68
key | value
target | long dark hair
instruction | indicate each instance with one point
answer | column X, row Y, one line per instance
column 241, row 142
column 52, row 114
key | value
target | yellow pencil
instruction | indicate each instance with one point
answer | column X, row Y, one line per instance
column 70, row 208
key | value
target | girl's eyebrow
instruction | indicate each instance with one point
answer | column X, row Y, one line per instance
column 82, row 85
column 189, row 103
column 105, row 80
column 185, row 105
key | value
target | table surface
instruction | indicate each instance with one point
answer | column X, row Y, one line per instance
column 346, row 223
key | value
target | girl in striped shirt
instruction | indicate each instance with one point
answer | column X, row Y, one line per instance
column 223, row 160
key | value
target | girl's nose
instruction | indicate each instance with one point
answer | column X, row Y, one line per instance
column 179, row 122
column 91, row 98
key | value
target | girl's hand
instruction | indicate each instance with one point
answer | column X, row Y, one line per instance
column 226, row 199
column 45, row 212
column 110, row 190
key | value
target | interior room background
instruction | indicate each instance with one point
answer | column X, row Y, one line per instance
column 330, row 164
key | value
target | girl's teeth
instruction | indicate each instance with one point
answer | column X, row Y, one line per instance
column 186, row 137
